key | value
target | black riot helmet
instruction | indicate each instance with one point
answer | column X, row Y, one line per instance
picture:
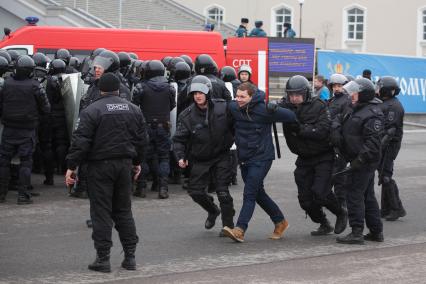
column 201, row 83
column 182, row 71
column 4, row 65
column 137, row 68
column 388, row 87
column 204, row 64
column 153, row 69
column 40, row 59
column 24, row 67
column 166, row 60
column 366, row 90
column 13, row 55
column 5, row 55
column 57, row 66
column 228, row 74
column 75, row 62
column 298, row 85
column 108, row 60
column 96, row 52
column 63, row 54
column 188, row 61
column 133, row 56
column 173, row 62
column 125, row 59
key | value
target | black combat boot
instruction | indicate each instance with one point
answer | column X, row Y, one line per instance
column 24, row 198
column 129, row 261
column 154, row 185
column 101, row 262
column 324, row 229
column 48, row 180
column 341, row 221
column 211, row 218
column 374, row 237
column 393, row 215
column 164, row 190
column 353, row 238
column 140, row 191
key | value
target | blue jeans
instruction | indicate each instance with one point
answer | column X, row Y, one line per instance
column 253, row 175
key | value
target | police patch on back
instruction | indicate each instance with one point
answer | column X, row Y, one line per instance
column 117, row 107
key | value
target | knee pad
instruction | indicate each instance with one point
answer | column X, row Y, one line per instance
column 224, row 197
column 386, row 180
column 26, row 162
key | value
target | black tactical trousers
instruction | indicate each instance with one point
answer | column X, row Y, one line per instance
column 110, row 189
column 339, row 181
column 21, row 145
column 361, row 201
column 313, row 181
column 218, row 171
column 390, row 192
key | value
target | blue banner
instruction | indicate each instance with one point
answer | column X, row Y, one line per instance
column 410, row 72
column 288, row 57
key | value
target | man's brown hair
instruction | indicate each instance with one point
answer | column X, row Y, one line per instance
column 247, row 86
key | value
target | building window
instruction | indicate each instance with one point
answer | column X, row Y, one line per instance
column 424, row 25
column 355, row 24
column 282, row 15
column 216, row 14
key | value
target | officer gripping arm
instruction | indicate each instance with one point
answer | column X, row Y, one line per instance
column 320, row 129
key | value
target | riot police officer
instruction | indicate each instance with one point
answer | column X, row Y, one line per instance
column 188, row 61
column 361, row 130
column 111, row 136
column 314, row 164
column 156, row 97
column 22, row 99
column 244, row 73
column 86, row 73
column 106, row 62
column 57, row 120
column 338, row 102
column 228, row 74
column 65, row 56
column 202, row 141
column 205, row 65
column 125, row 62
column 391, row 205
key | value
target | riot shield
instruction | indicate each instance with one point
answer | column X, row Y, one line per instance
column 173, row 113
column 230, row 88
column 72, row 90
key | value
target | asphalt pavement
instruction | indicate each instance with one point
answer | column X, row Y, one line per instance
column 48, row 241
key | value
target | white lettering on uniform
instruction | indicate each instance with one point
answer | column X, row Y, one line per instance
column 117, row 107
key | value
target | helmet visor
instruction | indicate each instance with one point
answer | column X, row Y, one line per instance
column 198, row 87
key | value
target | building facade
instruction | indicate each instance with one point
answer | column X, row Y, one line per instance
column 380, row 26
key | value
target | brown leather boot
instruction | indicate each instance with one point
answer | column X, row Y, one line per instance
column 237, row 234
column 279, row 230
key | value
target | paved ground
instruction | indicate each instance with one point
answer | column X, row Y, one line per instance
column 48, row 242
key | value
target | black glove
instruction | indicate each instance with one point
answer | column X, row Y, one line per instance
column 357, row 164
column 294, row 127
column 271, row 107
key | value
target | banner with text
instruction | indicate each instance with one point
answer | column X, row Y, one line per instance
column 410, row 72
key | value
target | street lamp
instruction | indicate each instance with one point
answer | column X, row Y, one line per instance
column 300, row 17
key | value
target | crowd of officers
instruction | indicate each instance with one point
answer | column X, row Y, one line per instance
column 125, row 123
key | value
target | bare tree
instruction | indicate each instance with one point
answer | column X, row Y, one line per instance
column 325, row 33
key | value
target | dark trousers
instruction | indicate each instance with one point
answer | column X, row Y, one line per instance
column 234, row 164
column 23, row 148
column 390, row 192
column 216, row 170
column 339, row 182
column 313, row 181
column 110, row 188
column 253, row 174
column 361, row 201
